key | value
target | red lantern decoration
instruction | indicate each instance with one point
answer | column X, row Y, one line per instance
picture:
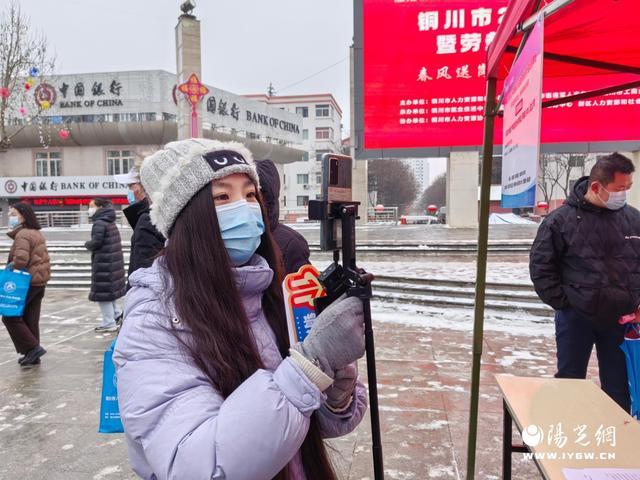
column 63, row 134
column 432, row 209
column 379, row 208
column 4, row 92
column 543, row 205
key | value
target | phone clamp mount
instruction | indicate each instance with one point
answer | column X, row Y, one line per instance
column 348, row 279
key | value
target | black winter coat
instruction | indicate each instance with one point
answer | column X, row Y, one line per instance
column 588, row 258
column 107, row 262
column 294, row 247
column 146, row 240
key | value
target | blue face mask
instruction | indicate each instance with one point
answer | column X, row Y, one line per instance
column 13, row 222
column 241, row 225
column 131, row 197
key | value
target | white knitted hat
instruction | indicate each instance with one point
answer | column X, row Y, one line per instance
column 173, row 175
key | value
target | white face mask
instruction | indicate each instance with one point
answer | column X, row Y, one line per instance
column 91, row 212
column 616, row 200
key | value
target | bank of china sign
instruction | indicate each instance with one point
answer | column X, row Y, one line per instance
column 19, row 187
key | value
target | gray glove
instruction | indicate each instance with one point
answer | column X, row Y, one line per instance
column 340, row 392
column 337, row 337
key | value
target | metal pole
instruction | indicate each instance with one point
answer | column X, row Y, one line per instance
column 481, row 272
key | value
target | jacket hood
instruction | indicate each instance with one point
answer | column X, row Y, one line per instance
column 270, row 186
column 107, row 214
column 577, row 197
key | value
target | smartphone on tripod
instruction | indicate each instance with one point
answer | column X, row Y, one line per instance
column 336, row 188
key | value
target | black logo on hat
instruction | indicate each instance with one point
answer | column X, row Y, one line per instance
column 224, row 158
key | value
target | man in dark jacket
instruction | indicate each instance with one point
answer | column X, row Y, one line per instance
column 585, row 263
column 146, row 240
column 294, row 248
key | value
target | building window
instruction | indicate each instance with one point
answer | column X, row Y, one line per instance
column 305, row 134
column 320, row 153
column 304, row 111
column 284, row 201
column 303, row 178
column 576, row 161
column 119, row 161
column 303, row 200
column 48, row 164
column 318, row 178
column 324, row 133
column 323, row 110
column 305, row 156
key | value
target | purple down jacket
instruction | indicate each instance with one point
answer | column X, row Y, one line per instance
column 179, row 427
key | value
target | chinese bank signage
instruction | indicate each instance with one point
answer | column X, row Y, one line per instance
column 21, row 187
column 424, row 80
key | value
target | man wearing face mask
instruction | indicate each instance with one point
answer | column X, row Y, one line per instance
column 146, row 241
column 585, row 263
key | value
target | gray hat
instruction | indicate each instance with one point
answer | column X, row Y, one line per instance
column 173, row 175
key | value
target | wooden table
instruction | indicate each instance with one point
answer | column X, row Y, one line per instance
column 577, row 410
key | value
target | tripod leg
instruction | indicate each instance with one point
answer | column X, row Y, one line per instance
column 378, row 469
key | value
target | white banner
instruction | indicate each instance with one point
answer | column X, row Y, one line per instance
column 19, row 187
column 521, row 126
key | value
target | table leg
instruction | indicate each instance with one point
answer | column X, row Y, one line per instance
column 507, row 430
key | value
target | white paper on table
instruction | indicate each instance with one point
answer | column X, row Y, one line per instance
column 601, row 474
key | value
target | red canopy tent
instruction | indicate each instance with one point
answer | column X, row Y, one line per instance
column 582, row 38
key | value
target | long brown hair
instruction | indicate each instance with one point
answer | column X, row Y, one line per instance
column 209, row 304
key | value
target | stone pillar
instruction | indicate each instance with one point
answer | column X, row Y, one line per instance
column 360, row 173
column 187, row 62
column 462, row 189
column 634, row 194
column 4, row 215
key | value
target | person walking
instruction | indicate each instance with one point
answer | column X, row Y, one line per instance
column 585, row 263
column 294, row 247
column 107, row 264
column 208, row 385
column 146, row 241
column 28, row 252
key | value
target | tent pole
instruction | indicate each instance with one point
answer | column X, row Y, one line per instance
column 481, row 272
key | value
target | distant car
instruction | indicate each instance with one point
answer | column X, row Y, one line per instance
column 442, row 215
column 418, row 219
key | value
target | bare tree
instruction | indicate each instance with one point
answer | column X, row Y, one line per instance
column 434, row 194
column 21, row 50
column 394, row 181
column 549, row 176
column 556, row 171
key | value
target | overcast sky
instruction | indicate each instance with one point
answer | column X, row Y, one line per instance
column 245, row 43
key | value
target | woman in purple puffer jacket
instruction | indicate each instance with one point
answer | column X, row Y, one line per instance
column 209, row 387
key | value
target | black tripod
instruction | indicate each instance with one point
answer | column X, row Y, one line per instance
column 354, row 282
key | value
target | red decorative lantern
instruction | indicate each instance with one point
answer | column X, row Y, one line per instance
column 63, row 134
column 194, row 91
column 379, row 208
column 543, row 205
column 432, row 209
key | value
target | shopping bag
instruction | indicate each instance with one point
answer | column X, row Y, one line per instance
column 109, row 412
column 14, row 286
column 631, row 348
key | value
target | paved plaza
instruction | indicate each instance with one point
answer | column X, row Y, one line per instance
column 49, row 413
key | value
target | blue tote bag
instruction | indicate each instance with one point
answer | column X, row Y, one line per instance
column 14, row 286
column 109, row 411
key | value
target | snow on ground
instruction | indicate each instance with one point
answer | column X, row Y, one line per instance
column 501, row 272
column 460, row 319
